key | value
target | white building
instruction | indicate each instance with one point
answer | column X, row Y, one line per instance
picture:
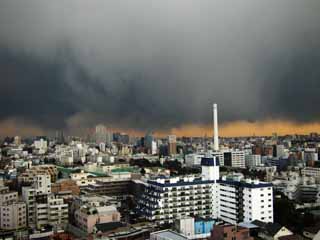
column 165, row 200
column 101, row 134
column 51, row 210
column 43, row 207
column 41, row 145
column 253, row 160
column 82, row 178
column 230, row 199
column 245, row 201
column 193, row 159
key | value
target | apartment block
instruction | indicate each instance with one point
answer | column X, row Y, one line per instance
column 165, row 200
column 245, row 200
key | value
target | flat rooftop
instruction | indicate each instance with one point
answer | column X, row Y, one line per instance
column 168, row 234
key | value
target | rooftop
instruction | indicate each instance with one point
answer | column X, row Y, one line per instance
column 168, row 234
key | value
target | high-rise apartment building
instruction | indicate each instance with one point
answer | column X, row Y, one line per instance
column 245, row 201
column 43, row 207
column 165, row 200
column 233, row 200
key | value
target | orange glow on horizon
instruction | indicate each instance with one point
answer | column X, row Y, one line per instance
column 244, row 128
column 12, row 127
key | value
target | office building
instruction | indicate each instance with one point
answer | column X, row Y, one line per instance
column 100, row 134
column 172, row 145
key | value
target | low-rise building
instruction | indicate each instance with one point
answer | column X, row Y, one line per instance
column 230, row 232
column 87, row 216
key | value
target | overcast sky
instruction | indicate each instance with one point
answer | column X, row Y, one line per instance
column 156, row 65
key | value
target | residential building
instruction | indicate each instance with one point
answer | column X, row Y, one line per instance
column 230, row 232
column 64, row 185
column 231, row 199
column 166, row 199
column 253, row 160
column 12, row 212
column 271, row 231
column 245, row 200
column 86, row 217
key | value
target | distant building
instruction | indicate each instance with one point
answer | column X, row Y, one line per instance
column 100, row 134
column 172, row 145
column 17, row 140
column 193, row 159
column 65, row 185
column 231, row 158
column 278, row 151
column 253, row 160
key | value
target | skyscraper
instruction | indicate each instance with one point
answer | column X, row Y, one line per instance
column 172, row 144
column 101, row 134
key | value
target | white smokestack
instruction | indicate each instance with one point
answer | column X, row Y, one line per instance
column 215, row 127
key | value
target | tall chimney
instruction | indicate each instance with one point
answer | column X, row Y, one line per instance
column 215, row 127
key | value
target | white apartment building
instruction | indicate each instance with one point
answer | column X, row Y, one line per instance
column 165, row 200
column 43, row 207
column 231, row 158
column 229, row 199
column 51, row 210
column 245, row 200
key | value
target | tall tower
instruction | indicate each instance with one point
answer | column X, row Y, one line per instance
column 172, row 144
column 215, row 127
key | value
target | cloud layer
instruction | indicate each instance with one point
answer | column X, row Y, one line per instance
column 158, row 64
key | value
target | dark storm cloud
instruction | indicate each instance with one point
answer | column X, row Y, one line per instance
column 158, row 64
